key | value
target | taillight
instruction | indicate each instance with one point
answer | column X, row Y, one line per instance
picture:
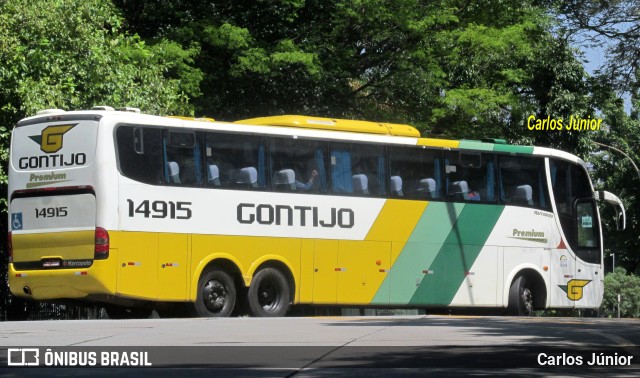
column 102, row 244
column 10, row 247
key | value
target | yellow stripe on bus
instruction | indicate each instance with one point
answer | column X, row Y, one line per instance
column 396, row 222
column 431, row 142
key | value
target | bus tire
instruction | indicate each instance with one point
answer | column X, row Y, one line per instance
column 216, row 295
column 269, row 294
column 520, row 298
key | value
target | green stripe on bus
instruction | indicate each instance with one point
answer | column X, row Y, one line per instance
column 421, row 249
column 513, row 149
column 475, row 145
column 456, row 257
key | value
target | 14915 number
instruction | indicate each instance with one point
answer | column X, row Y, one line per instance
column 51, row 212
column 160, row 209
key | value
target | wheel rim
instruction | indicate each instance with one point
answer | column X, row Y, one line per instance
column 527, row 301
column 268, row 295
column 215, row 296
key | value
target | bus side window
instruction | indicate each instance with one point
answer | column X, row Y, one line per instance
column 297, row 165
column 140, row 153
column 368, row 170
column 233, row 162
column 358, row 169
column 183, row 158
column 470, row 176
column 523, row 181
column 415, row 173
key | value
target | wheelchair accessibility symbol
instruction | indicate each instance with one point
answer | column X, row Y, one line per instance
column 16, row 221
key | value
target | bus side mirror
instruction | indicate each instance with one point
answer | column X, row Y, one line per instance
column 621, row 218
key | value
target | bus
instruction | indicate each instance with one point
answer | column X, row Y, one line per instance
column 136, row 212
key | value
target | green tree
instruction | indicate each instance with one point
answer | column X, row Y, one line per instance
column 628, row 287
column 463, row 69
column 614, row 172
column 613, row 25
column 74, row 54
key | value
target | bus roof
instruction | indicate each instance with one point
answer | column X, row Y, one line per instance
column 387, row 131
column 334, row 124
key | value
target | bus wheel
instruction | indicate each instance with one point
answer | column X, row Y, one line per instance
column 269, row 294
column 216, row 294
column 520, row 298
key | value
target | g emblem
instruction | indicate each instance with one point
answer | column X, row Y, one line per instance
column 50, row 140
column 575, row 289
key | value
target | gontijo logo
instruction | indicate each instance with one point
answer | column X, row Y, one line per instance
column 574, row 289
column 50, row 140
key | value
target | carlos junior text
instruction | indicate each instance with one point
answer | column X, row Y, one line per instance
column 595, row 359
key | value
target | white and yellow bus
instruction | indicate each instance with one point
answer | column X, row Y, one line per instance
column 137, row 212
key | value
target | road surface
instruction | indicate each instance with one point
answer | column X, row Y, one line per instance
column 324, row 346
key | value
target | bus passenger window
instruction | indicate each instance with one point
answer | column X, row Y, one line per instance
column 233, row 162
column 523, row 181
column 297, row 165
column 359, row 169
column 183, row 158
column 416, row 171
column 470, row 176
column 140, row 154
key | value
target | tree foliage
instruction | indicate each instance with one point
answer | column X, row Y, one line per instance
column 611, row 23
column 614, row 172
column 628, row 287
column 73, row 54
column 457, row 68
